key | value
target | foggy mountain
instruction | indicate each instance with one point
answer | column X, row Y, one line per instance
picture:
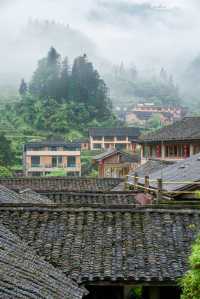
column 150, row 34
column 33, row 42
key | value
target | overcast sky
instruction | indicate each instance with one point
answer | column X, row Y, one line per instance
column 148, row 32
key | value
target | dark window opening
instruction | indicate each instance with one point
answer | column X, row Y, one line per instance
column 57, row 161
column 35, row 161
column 71, row 161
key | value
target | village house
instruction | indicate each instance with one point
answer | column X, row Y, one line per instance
column 174, row 142
column 141, row 113
column 119, row 138
column 42, row 158
column 116, row 163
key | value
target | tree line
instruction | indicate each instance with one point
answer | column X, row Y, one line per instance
column 59, row 97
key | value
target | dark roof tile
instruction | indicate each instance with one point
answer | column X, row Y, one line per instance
column 186, row 129
column 25, row 196
column 56, row 143
column 26, row 275
column 119, row 243
column 152, row 165
column 92, row 198
column 60, row 183
column 182, row 173
column 132, row 132
column 126, row 157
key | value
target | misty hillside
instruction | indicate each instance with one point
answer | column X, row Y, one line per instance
column 33, row 42
column 190, row 82
column 128, row 85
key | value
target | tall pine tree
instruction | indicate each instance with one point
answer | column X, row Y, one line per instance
column 23, row 88
column 65, row 80
column 45, row 80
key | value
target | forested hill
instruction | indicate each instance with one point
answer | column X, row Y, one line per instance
column 60, row 99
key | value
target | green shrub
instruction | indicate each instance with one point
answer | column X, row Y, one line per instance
column 5, row 172
column 191, row 281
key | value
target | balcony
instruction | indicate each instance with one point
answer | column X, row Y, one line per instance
column 66, row 165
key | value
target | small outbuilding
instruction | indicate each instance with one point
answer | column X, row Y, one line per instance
column 116, row 163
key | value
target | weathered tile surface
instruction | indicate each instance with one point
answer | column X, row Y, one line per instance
column 23, row 274
column 60, row 183
column 116, row 243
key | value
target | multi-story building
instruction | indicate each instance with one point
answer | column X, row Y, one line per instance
column 45, row 157
column 174, row 142
column 118, row 138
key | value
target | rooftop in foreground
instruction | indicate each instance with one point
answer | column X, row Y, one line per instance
column 111, row 243
column 42, row 184
column 26, row 275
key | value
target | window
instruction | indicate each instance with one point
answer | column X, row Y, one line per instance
column 35, row 161
column 57, row 161
column 196, row 149
column 71, row 161
column 177, row 150
column 146, row 151
column 97, row 146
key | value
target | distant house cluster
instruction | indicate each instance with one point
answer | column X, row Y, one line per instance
column 140, row 114
column 45, row 157
column 117, row 147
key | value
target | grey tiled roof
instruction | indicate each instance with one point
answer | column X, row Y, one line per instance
column 56, row 143
column 39, row 184
column 23, row 274
column 186, row 129
column 146, row 244
column 92, row 198
column 132, row 132
column 126, row 157
column 26, row 196
column 34, row 197
column 185, row 171
column 151, row 166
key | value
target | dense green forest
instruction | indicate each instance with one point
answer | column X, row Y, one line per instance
column 60, row 99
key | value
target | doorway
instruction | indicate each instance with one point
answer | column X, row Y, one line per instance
column 105, row 292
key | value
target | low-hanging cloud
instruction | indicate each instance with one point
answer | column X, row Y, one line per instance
column 150, row 33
